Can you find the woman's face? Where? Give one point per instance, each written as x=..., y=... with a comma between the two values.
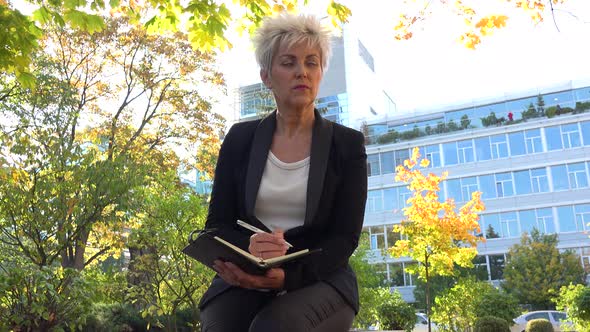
x=295, y=77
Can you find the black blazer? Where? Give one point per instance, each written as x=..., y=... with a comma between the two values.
x=336, y=195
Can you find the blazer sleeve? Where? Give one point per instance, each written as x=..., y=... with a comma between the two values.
x=223, y=205
x=342, y=235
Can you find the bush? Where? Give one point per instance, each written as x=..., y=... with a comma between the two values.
x=496, y=303
x=389, y=137
x=491, y=324
x=116, y=317
x=539, y=325
x=575, y=301
x=395, y=314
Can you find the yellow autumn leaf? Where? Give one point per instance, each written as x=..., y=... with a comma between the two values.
x=424, y=163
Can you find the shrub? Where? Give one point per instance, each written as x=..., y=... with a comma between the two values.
x=389, y=137
x=539, y=325
x=115, y=317
x=496, y=303
x=491, y=324
x=395, y=314
x=575, y=301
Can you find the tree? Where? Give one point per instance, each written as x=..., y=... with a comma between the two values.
x=478, y=25
x=174, y=280
x=395, y=313
x=536, y=268
x=575, y=301
x=368, y=283
x=436, y=236
x=114, y=102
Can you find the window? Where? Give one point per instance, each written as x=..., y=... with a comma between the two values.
x=553, y=137
x=377, y=237
x=509, y=224
x=585, y=132
x=539, y=180
x=468, y=185
x=390, y=201
x=517, y=146
x=432, y=153
x=522, y=182
x=465, y=149
x=577, y=175
x=373, y=164
x=528, y=221
x=366, y=56
x=483, y=150
x=454, y=189
x=487, y=186
x=504, y=186
x=570, y=135
x=396, y=274
x=582, y=212
x=450, y=153
x=533, y=140
x=559, y=177
x=499, y=146
x=403, y=195
x=545, y=220
x=408, y=277
x=538, y=315
x=374, y=201
x=492, y=226
x=401, y=156
x=387, y=165
x=566, y=220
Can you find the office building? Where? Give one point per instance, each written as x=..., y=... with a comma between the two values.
x=528, y=154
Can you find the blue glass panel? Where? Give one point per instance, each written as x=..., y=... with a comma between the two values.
x=533, y=141
x=373, y=164
x=390, y=201
x=577, y=175
x=582, y=94
x=403, y=195
x=570, y=135
x=492, y=226
x=563, y=99
x=432, y=153
x=465, y=151
x=566, y=219
x=468, y=186
x=582, y=216
x=387, y=162
x=482, y=148
x=487, y=186
x=504, y=186
x=528, y=221
x=522, y=183
x=454, y=189
x=539, y=180
x=545, y=217
x=509, y=224
x=559, y=177
x=586, y=132
x=519, y=105
x=450, y=153
x=374, y=201
x=553, y=137
x=499, y=146
x=517, y=146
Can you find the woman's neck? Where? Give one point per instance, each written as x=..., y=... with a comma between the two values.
x=294, y=123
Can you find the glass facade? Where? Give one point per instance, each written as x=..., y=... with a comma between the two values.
x=532, y=176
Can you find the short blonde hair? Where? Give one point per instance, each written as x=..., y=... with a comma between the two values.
x=288, y=30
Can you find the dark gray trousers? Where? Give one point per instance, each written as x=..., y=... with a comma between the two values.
x=316, y=308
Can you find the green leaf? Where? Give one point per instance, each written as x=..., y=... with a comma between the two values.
x=42, y=15
x=26, y=79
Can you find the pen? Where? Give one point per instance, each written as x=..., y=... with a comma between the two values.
x=257, y=230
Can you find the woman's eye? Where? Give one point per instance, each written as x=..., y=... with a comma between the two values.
x=287, y=63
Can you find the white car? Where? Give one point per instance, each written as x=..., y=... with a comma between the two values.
x=557, y=318
x=422, y=323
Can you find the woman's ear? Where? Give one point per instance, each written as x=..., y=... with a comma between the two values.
x=265, y=78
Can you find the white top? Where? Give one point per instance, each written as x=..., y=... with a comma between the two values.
x=281, y=199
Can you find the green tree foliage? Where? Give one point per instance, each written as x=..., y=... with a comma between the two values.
x=163, y=280
x=395, y=313
x=459, y=307
x=575, y=301
x=536, y=268
x=78, y=145
x=205, y=22
x=34, y=298
x=369, y=283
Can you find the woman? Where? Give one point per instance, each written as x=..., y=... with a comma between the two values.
x=299, y=177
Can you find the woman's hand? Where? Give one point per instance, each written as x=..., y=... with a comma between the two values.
x=233, y=275
x=268, y=245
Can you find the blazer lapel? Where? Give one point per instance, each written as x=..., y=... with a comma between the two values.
x=321, y=141
x=257, y=161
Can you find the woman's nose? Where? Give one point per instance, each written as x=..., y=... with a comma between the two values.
x=300, y=71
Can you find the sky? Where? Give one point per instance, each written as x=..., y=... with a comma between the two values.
x=433, y=70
